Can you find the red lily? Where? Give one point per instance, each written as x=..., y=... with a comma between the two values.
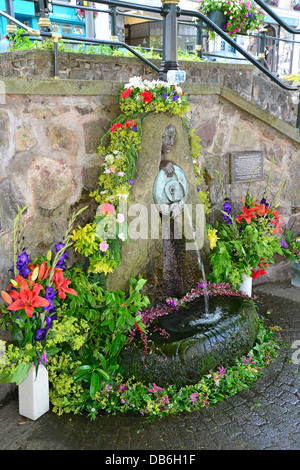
x=247, y=215
x=27, y=299
x=262, y=209
x=6, y=297
x=61, y=284
x=19, y=279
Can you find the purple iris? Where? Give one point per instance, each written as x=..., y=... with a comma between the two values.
x=22, y=262
x=227, y=208
x=263, y=201
x=41, y=334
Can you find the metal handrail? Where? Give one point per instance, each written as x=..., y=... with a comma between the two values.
x=32, y=32
x=159, y=10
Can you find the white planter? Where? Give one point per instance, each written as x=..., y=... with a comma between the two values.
x=246, y=286
x=296, y=274
x=34, y=393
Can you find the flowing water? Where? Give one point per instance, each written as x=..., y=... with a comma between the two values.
x=201, y=267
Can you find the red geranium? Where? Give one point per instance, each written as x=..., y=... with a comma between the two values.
x=116, y=126
x=147, y=96
x=126, y=93
x=130, y=123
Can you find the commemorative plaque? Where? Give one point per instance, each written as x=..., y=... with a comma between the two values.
x=246, y=165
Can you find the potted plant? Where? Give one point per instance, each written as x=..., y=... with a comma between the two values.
x=291, y=249
x=28, y=314
x=235, y=16
x=243, y=245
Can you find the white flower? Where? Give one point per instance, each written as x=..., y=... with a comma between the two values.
x=121, y=236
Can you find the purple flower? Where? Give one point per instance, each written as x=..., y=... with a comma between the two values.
x=50, y=294
x=263, y=201
x=172, y=302
x=227, y=208
x=131, y=182
x=41, y=334
x=134, y=128
x=44, y=358
x=23, y=259
x=62, y=259
x=164, y=95
x=175, y=97
x=284, y=244
x=22, y=262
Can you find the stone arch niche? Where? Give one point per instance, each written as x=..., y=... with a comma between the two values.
x=162, y=248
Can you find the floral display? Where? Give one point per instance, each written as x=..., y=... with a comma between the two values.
x=101, y=240
x=145, y=96
x=30, y=305
x=245, y=243
x=243, y=15
x=291, y=245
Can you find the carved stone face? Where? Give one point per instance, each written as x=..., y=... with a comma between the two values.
x=168, y=139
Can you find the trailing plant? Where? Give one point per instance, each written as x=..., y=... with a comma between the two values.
x=151, y=400
x=243, y=15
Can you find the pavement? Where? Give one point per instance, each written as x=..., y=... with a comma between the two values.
x=264, y=417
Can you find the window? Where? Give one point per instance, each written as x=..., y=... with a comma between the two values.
x=66, y=28
x=78, y=30
x=55, y=27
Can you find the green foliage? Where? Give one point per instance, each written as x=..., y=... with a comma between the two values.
x=152, y=401
x=99, y=322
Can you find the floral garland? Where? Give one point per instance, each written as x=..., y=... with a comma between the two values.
x=137, y=99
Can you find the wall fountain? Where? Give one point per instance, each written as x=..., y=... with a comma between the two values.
x=172, y=254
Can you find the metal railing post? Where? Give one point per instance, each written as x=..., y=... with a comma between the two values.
x=11, y=28
x=199, y=38
x=169, y=61
x=44, y=21
x=113, y=28
x=262, y=45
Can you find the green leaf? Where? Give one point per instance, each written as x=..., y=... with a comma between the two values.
x=21, y=373
x=95, y=384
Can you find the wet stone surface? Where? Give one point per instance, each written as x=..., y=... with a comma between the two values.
x=264, y=417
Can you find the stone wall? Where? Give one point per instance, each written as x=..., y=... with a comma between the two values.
x=50, y=130
x=245, y=79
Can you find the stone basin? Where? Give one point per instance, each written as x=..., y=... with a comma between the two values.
x=197, y=341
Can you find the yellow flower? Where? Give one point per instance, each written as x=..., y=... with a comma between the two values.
x=212, y=235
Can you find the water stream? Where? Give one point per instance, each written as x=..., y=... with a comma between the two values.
x=200, y=263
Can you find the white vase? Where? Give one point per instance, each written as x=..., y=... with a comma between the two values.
x=34, y=393
x=246, y=286
x=296, y=274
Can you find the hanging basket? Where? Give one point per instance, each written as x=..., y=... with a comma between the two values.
x=218, y=17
